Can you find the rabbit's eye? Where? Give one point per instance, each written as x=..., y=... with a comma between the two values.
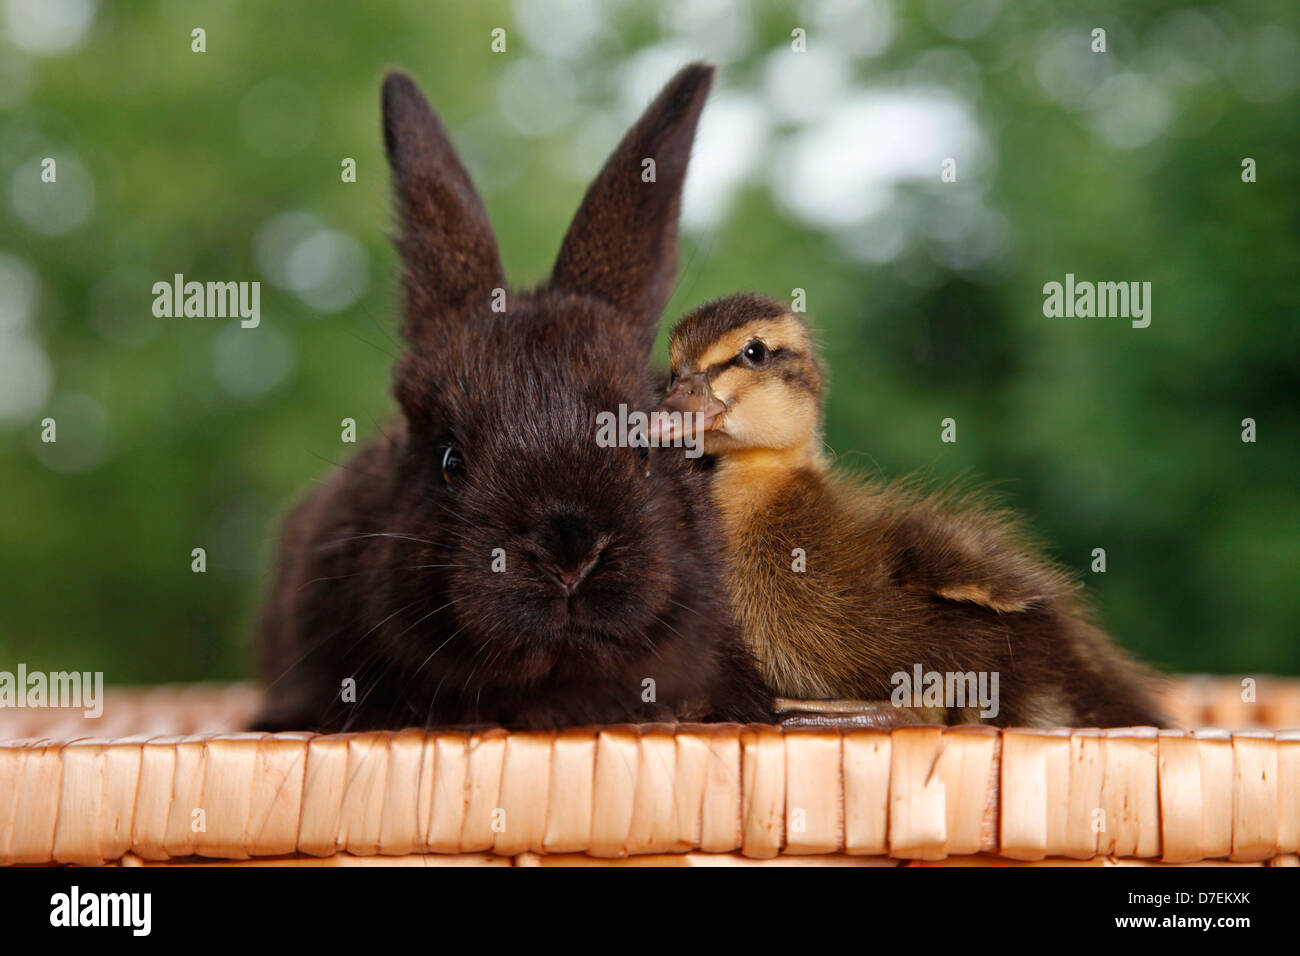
x=672, y=381
x=453, y=465
x=755, y=353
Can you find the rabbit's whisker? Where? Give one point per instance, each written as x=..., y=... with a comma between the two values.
x=421, y=620
x=433, y=653
x=317, y=645
x=353, y=574
x=376, y=534
x=400, y=610
x=685, y=607
x=354, y=470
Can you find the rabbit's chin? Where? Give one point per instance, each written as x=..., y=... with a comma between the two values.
x=567, y=657
x=573, y=640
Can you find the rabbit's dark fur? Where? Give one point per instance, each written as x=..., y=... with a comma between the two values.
x=386, y=573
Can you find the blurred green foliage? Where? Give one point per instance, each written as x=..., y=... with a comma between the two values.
x=1103, y=435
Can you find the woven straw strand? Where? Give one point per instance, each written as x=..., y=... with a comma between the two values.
x=922, y=794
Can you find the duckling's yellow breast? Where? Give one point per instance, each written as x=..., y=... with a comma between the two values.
x=793, y=583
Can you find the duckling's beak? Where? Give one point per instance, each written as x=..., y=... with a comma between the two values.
x=689, y=406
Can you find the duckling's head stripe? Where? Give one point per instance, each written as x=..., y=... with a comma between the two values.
x=708, y=325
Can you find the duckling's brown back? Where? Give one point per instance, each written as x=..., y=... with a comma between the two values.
x=863, y=591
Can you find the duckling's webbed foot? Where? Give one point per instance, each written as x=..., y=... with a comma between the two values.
x=859, y=714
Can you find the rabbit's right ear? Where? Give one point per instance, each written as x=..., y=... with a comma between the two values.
x=622, y=244
x=447, y=247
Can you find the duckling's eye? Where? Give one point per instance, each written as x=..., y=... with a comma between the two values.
x=453, y=465
x=755, y=353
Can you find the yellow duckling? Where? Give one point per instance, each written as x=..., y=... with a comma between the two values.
x=853, y=589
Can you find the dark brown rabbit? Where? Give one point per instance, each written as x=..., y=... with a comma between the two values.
x=487, y=561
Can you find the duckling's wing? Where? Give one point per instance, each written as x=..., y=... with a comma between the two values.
x=976, y=557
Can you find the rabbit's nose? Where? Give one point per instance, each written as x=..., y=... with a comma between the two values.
x=569, y=579
x=567, y=576
x=572, y=554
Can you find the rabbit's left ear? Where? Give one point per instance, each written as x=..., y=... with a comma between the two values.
x=622, y=244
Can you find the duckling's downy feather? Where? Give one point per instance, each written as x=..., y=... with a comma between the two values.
x=841, y=584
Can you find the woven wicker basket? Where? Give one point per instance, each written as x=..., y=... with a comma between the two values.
x=165, y=780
